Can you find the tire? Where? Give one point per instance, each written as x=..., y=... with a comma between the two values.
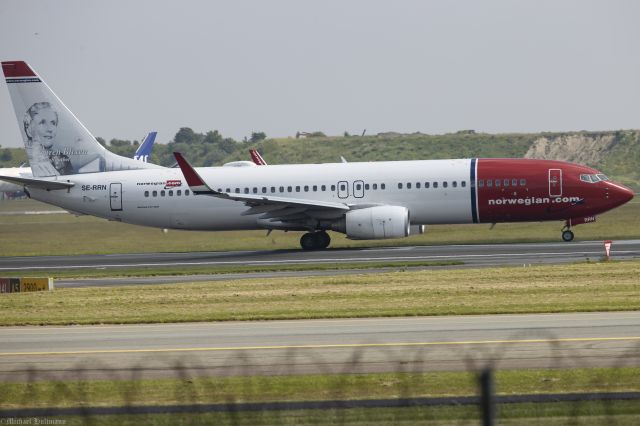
x=308, y=241
x=323, y=239
x=567, y=236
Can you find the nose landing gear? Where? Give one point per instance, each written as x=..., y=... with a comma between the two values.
x=315, y=240
x=567, y=234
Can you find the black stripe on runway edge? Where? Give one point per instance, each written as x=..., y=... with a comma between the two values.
x=322, y=405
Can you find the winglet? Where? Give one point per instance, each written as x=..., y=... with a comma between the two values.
x=195, y=182
x=257, y=158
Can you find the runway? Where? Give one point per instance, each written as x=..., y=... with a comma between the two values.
x=481, y=254
x=470, y=255
x=320, y=346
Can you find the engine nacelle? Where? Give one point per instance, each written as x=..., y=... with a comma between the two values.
x=378, y=222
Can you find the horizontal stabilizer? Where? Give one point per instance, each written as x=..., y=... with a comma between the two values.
x=38, y=183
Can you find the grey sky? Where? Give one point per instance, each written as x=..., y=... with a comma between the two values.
x=127, y=67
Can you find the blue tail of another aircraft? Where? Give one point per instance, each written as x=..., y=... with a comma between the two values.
x=144, y=150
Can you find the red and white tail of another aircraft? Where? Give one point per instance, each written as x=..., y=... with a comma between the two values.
x=369, y=200
x=257, y=158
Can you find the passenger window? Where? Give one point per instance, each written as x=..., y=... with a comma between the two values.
x=155, y=193
x=186, y=192
x=246, y=190
x=264, y=189
x=489, y=183
x=146, y=193
x=306, y=188
x=366, y=186
x=323, y=188
x=427, y=185
x=358, y=187
x=170, y=193
x=162, y=193
x=282, y=189
x=179, y=193
x=481, y=183
x=523, y=182
x=333, y=187
x=399, y=185
x=255, y=190
x=289, y=189
x=506, y=182
x=228, y=190
x=514, y=182
x=463, y=183
x=454, y=184
x=237, y=190
x=297, y=188
x=444, y=184
x=383, y=186
x=435, y=184
x=417, y=185
x=315, y=188
x=343, y=187
x=497, y=183
x=375, y=186
x=409, y=185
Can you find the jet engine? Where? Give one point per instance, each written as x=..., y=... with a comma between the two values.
x=373, y=223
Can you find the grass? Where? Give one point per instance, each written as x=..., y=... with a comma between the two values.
x=620, y=413
x=152, y=271
x=237, y=389
x=330, y=387
x=62, y=234
x=607, y=286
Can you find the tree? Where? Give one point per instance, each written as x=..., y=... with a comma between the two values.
x=6, y=155
x=212, y=137
x=187, y=135
x=257, y=137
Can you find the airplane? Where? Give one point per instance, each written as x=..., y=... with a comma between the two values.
x=364, y=200
x=142, y=154
x=257, y=158
x=259, y=161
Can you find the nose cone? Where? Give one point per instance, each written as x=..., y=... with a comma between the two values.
x=620, y=194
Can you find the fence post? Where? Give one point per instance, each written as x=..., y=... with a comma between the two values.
x=487, y=403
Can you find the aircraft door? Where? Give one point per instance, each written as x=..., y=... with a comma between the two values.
x=555, y=183
x=358, y=189
x=115, y=196
x=343, y=189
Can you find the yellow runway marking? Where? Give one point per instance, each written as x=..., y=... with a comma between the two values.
x=326, y=346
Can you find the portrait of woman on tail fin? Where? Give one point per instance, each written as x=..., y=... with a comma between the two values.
x=41, y=127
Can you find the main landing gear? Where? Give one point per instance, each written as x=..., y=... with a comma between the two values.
x=315, y=240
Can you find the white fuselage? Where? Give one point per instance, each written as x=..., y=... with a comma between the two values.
x=152, y=197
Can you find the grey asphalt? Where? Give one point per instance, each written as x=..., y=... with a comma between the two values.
x=471, y=255
x=605, y=339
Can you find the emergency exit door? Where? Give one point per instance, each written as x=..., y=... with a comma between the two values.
x=115, y=195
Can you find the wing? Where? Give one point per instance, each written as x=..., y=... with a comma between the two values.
x=275, y=212
x=38, y=183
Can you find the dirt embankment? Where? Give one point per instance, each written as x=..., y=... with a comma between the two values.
x=581, y=148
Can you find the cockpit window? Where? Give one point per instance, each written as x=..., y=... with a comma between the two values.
x=594, y=178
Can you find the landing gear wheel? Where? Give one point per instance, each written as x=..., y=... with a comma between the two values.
x=309, y=241
x=324, y=239
x=567, y=236
x=315, y=240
